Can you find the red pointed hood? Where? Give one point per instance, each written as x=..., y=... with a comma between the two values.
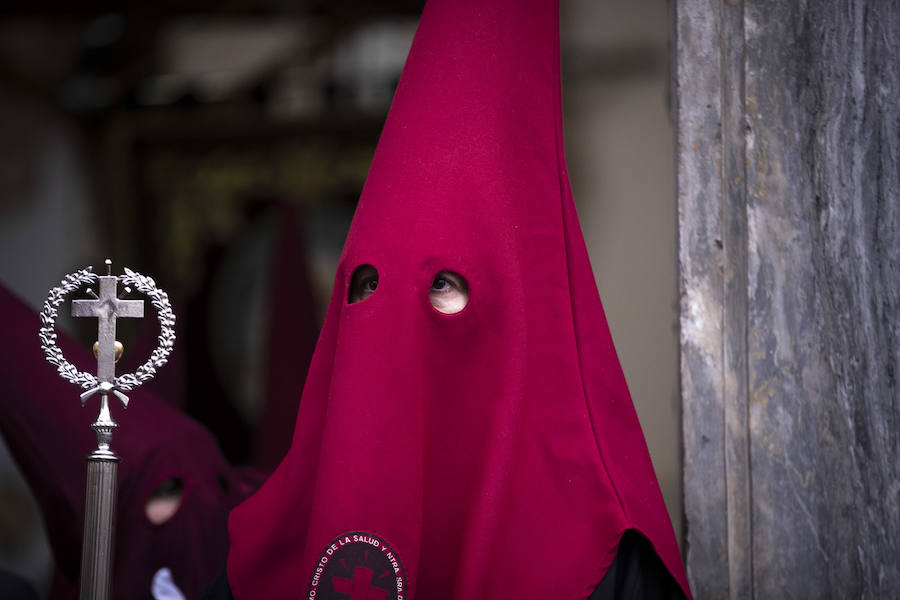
x=492, y=453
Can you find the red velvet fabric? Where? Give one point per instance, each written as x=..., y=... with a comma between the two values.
x=496, y=450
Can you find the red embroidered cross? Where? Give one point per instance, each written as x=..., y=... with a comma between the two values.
x=359, y=586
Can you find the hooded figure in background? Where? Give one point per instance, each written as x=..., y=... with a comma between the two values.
x=175, y=488
x=465, y=430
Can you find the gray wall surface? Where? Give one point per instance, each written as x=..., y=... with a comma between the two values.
x=619, y=149
x=789, y=257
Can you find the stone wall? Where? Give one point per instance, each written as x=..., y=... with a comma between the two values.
x=789, y=258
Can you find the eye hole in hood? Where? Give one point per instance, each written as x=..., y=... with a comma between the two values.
x=449, y=292
x=363, y=283
x=165, y=500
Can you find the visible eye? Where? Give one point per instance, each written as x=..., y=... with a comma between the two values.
x=363, y=283
x=449, y=292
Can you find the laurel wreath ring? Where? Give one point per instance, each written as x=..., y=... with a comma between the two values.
x=87, y=381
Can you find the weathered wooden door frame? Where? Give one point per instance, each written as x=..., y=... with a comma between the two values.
x=788, y=136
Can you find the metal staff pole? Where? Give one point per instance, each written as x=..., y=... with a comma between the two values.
x=99, y=511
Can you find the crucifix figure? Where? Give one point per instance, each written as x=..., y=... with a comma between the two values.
x=106, y=308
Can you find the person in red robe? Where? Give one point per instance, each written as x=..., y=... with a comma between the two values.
x=465, y=430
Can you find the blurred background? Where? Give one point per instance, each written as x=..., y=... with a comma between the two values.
x=221, y=146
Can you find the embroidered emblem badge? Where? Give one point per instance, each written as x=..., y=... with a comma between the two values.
x=358, y=566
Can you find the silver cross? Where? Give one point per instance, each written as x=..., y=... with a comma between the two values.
x=107, y=308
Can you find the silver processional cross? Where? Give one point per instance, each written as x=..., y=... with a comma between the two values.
x=102, y=471
x=106, y=308
x=102, y=463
